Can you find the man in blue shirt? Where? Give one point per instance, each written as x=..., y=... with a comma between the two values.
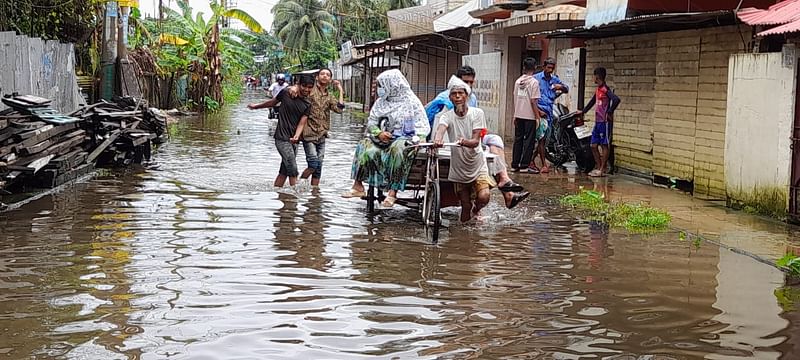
x=551, y=88
x=442, y=101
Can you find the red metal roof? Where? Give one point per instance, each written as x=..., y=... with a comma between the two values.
x=793, y=26
x=784, y=12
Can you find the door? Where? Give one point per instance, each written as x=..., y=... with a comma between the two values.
x=794, y=190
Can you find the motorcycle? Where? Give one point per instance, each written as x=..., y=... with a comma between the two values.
x=569, y=140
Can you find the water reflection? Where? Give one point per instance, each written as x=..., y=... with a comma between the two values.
x=198, y=257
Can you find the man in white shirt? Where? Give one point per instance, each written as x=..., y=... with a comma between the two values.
x=276, y=89
x=468, y=170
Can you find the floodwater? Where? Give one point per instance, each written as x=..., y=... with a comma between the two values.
x=198, y=257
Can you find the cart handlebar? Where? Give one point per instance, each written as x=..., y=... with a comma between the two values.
x=428, y=145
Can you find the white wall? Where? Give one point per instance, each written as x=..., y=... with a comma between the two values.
x=760, y=116
x=487, y=86
x=568, y=69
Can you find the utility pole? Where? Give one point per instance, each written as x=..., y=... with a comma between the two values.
x=108, y=58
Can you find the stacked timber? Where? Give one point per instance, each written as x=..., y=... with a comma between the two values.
x=42, y=148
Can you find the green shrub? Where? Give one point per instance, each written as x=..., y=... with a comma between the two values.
x=633, y=217
x=790, y=262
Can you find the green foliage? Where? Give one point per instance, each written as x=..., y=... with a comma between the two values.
x=184, y=44
x=318, y=54
x=73, y=22
x=402, y=4
x=643, y=218
x=586, y=199
x=633, y=217
x=791, y=263
x=301, y=23
x=211, y=104
x=231, y=90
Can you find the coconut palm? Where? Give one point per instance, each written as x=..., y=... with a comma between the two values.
x=299, y=23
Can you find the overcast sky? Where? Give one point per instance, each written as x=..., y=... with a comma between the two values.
x=259, y=9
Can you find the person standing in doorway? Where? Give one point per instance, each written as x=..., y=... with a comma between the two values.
x=551, y=88
x=319, y=123
x=606, y=102
x=291, y=120
x=526, y=117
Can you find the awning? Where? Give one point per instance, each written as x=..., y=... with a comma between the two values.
x=458, y=18
x=785, y=13
x=654, y=23
x=547, y=16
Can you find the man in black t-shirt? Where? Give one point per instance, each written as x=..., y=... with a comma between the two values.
x=291, y=120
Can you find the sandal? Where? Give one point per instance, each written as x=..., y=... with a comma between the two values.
x=545, y=170
x=353, y=193
x=511, y=186
x=531, y=170
x=388, y=202
x=518, y=198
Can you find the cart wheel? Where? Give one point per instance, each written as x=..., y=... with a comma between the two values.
x=431, y=211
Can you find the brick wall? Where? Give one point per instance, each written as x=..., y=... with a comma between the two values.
x=673, y=87
x=716, y=46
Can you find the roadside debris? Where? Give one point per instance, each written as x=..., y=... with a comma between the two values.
x=42, y=148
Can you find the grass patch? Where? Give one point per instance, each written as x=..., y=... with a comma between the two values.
x=633, y=217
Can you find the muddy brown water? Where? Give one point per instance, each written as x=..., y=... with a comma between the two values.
x=198, y=257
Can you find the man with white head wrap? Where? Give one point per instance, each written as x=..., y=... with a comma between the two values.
x=513, y=193
x=468, y=170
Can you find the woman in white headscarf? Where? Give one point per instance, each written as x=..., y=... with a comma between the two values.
x=397, y=119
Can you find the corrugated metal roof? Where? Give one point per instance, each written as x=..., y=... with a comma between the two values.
x=793, y=26
x=458, y=18
x=552, y=14
x=783, y=12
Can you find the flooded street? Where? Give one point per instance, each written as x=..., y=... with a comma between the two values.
x=198, y=257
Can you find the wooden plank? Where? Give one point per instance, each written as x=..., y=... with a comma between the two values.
x=34, y=166
x=105, y=144
x=30, y=150
x=33, y=100
x=33, y=133
x=48, y=133
x=8, y=61
x=67, y=145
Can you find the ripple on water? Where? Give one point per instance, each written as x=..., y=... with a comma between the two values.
x=199, y=256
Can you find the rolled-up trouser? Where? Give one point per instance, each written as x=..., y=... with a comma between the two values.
x=315, y=153
x=288, y=152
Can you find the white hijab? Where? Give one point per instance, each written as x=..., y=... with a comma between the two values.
x=398, y=101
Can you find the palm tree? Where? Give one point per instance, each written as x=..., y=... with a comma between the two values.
x=299, y=23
